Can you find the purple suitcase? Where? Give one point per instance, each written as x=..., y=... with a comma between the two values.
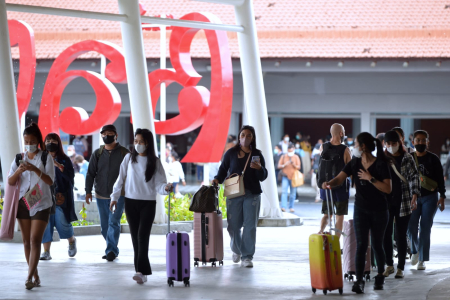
x=349, y=253
x=177, y=256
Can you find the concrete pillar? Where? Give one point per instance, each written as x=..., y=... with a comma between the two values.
x=9, y=114
x=407, y=124
x=276, y=129
x=255, y=103
x=366, y=122
x=137, y=77
x=234, y=124
x=356, y=128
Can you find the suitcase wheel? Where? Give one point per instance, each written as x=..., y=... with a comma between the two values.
x=367, y=277
x=203, y=264
x=170, y=282
x=325, y=292
x=341, y=291
x=314, y=290
x=346, y=276
x=196, y=264
x=186, y=283
x=213, y=264
x=350, y=277
x=221, y=263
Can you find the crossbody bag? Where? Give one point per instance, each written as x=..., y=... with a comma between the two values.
x=234, y=184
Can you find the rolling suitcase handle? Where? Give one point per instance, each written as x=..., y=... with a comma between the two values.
x=334, y=212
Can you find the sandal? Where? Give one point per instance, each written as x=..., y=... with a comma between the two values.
x=37, y=282
x=29, y=284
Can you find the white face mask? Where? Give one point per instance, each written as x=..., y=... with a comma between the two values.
x=286, y=139
x=291, y=153
x=140, y=148
x=70, y=153
x=297, y=146
x=392, y=149
x=357, y=152
x=30, y=148
x=170, y=159
x=80, y=164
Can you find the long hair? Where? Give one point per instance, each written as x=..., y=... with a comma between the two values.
x=147, y=135
x=60, y=152
x=365, y=138
x=33, y=129
x=253, y=143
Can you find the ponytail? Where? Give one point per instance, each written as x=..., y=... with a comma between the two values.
x=372, y=144
x=380, y=153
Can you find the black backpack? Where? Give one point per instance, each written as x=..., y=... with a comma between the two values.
x=331, y=163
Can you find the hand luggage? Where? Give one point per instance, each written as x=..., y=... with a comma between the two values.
x=208, y=238
x=206, y=199
x=177, y=256
x=349, y=266
x=325, y=259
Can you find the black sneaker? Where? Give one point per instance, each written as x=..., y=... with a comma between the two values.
x=358, y=287
x=379, y=282
x=110, y=256
x=104, y=257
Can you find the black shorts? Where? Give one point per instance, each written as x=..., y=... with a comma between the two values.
x=341, y=208
x=24, y=213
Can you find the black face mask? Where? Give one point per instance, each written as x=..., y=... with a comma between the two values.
x=420, y=147
x=109, y=139
x=51, y=147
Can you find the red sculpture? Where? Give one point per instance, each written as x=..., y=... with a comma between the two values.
x=22, y=35
x=197, y=105
x=75, y=120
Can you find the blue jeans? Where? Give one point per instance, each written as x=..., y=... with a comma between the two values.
x=243, y=212
x=58, y=220
x=285, y=185
x=110, y=223
x=420, y=242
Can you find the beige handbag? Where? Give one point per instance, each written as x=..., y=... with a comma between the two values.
x=234, y=184
x=297, y=179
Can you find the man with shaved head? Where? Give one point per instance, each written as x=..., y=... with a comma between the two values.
x=340, y=155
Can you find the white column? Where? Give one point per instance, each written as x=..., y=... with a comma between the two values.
x=137, y=77
x=255, y=103
x=162, y=100
x=9, y=115
x=276, y=129
x=407, y=124
x=366, y=122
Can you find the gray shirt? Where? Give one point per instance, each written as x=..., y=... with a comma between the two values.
x=103, y=172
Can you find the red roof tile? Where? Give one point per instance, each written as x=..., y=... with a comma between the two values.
x=286, y=28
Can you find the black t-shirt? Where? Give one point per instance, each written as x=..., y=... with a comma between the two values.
x=430, y=166
x=396, y=195
x=367, y=195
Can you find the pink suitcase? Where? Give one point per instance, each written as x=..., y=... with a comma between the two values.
x=349, y=253
x=208, y=238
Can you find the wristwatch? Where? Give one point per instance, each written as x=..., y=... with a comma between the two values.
x=373, y=180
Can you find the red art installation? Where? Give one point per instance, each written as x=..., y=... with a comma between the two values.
x=198, y=106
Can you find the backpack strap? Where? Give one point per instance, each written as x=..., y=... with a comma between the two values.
x=123, y=151
x=325, y=147
x=99, y=152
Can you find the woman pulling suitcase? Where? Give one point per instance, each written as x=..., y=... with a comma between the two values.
x=373, y=181
x=144, y=176
x=405, y=190
x=243, y=211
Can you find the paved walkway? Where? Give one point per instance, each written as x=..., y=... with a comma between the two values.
x=281, y=272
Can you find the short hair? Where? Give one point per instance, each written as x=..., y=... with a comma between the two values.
x=399, y=130
x=291, y=146
x=79, y=159
x=417, y=132
x=380, y=136
x=278, y=146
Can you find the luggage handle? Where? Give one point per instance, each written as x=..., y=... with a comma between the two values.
x=334, y=212
x=168, y=221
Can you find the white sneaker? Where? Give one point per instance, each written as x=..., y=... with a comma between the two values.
x=414, y=259
x=421, y=265
x=140, y=278
x=399, y=274
x=236, y=258
x=247, y=263
x=389, y=270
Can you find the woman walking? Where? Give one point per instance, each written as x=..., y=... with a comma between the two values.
x=143, y=176
x=65, y=208
x=36, y=172
x=243, y=211
x=405, y=190
x=373, y=181
x=288, y=164
x=431, y=172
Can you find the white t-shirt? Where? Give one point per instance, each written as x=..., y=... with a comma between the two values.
x=28, y=179
x=133, y=176
x=175, y=172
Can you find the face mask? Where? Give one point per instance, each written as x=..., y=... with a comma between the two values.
x=275, y=151
x=245, y=142
x=140, y=148
x=170, y=159
x=350, y=142
x=80, y=164
x=357, y=152
x=51, y=147
x=297, y=137
x=392, y=150
x=109, y=139
x=30, y=148
x=286, y=139
x=343, y=138
x=297, y=146
x=70, y=153
x=421, y=148
x=291, y=154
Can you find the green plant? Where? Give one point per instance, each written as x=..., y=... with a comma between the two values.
x=179, y=207
x=82, y=221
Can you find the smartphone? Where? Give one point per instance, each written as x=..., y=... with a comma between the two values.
x=21, y=161
x=256, y=159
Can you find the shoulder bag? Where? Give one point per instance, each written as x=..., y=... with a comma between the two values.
x=425, y=182
x=234, y=184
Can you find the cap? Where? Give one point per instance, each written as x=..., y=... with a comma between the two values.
x=108, y=127
x=391, y=136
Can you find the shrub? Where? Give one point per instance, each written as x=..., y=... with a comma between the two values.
x=82, y=221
